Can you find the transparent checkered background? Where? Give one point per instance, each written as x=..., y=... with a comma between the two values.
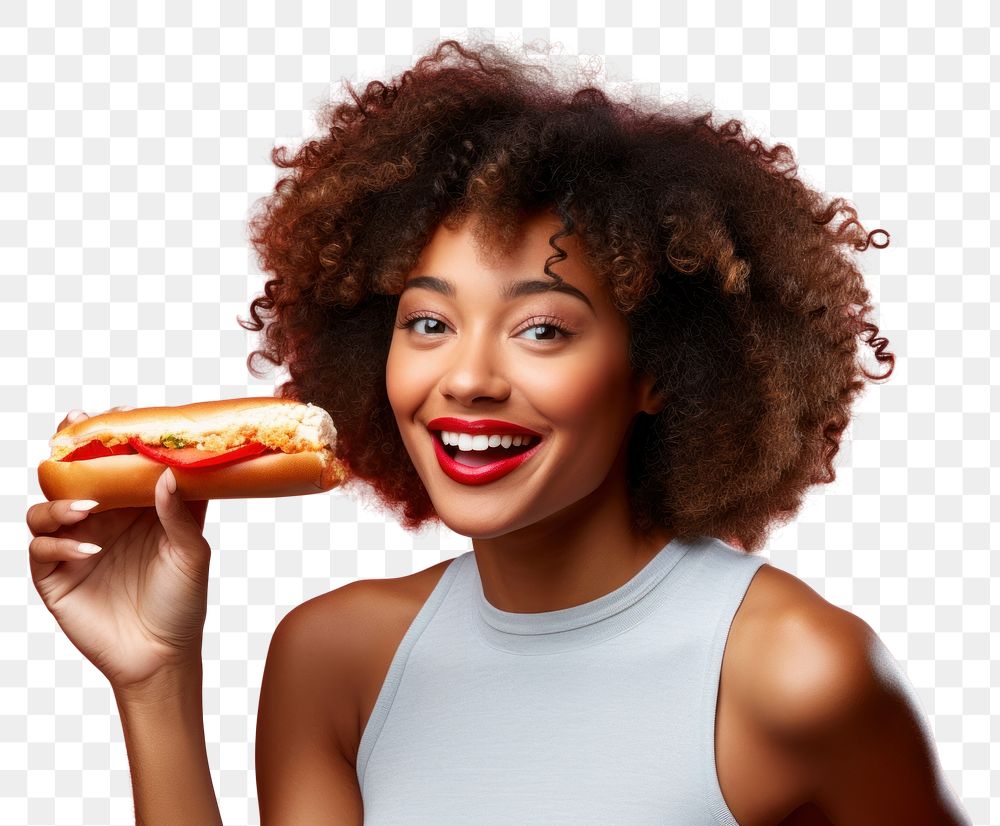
x=133, y=144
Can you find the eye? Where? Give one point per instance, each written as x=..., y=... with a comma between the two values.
x=548, y=323
x=411, y=321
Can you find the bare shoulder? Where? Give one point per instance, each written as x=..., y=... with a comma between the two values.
x=320, y=679
x=353, y=633
x=364, y=600
x=819, y=679
x=331, y=621
x=306, y=697
x=333, y=618
x=801, y=657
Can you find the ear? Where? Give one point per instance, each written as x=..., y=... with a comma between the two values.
x=650, y=401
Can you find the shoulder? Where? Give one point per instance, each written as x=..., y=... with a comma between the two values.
x=342, y=641
x=330, y=623
x=319, y=665
x=804, y=660
x=312, y=661
x=820, y=681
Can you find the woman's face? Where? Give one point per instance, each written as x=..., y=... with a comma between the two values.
x=470, y=352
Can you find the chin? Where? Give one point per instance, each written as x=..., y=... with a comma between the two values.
x=477, y=523
x=474, y=526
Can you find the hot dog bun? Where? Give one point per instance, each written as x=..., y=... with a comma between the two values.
x=301, y=438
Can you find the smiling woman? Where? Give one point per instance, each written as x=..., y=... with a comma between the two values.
x=614, y=344
x=616, y=425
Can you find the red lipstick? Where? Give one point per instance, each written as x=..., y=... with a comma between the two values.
x=488, y=426
x=467, y=475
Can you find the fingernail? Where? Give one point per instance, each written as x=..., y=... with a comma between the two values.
x=88, y=548
x=83, y=505
x=171, y=482
x=74, y=413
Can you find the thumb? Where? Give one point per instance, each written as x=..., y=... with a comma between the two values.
x=182, y=529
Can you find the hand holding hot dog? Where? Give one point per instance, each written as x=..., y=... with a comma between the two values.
x=136, y=608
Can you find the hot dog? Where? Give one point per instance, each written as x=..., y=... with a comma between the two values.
x=227, y=449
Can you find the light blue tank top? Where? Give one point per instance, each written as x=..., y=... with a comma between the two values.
x=599, y=713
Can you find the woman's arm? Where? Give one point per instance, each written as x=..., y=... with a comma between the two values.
x=307, y=716
x=832, y=690
x=129, y=587
x=165, y=739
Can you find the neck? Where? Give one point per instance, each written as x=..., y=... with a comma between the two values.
x=574, y=556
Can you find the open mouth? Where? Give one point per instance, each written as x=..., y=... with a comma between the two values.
x=472, y=453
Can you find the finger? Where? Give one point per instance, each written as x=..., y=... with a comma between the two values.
x=44, y=549
x=198, y=508
x=46, y=517
x=179, y=523
x=46, y=552
x=72, y=417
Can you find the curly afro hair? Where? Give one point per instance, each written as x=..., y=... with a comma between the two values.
x=742, y=298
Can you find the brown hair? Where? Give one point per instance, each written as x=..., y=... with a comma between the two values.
x=743, y=300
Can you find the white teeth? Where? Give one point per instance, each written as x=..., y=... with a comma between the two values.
x=482, y=441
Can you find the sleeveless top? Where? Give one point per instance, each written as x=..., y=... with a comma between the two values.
x=599, y=713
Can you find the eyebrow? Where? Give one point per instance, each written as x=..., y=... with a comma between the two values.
x=511, y=291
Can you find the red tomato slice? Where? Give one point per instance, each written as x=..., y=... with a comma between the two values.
x=96, y=450
x=191, y=457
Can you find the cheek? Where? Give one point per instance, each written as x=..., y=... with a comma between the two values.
x=410, y=379
x=396, y=386
x=589, y=393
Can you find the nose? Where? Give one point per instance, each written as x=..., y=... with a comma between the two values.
x=475, y=371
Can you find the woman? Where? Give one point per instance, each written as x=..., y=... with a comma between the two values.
x=473, y=255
